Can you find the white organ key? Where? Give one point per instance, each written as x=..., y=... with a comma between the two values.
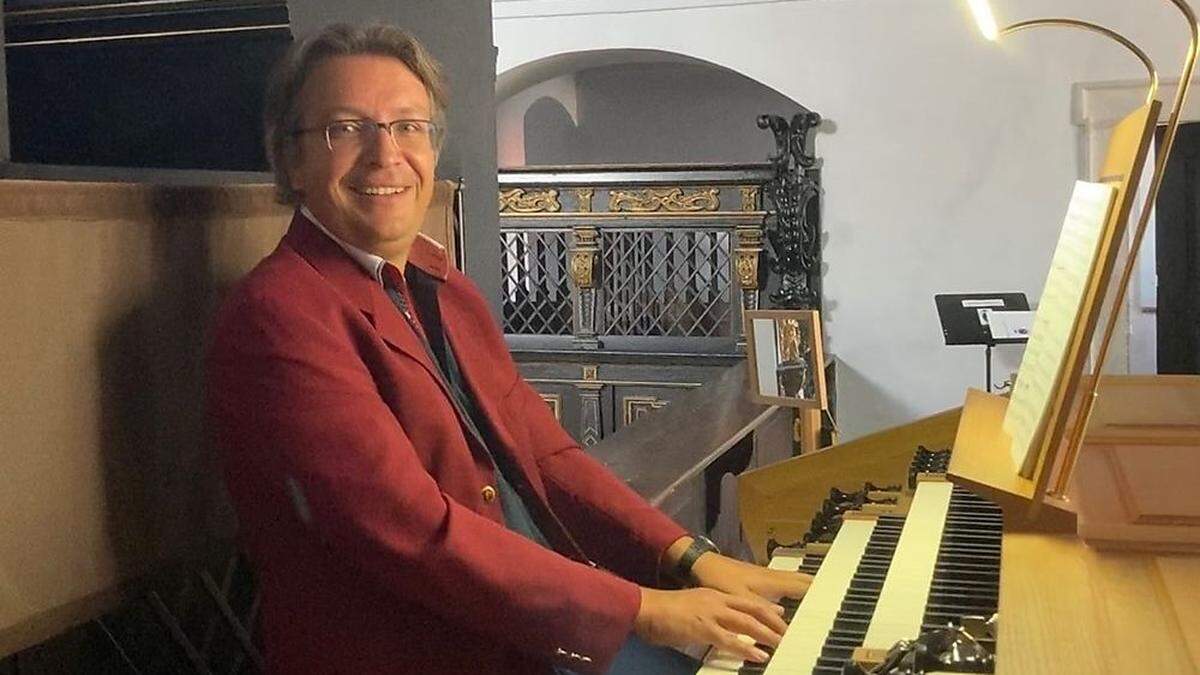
x=786, y=559
x=718, y=661
x=801, y=645
x=721, y=662
x=905, y=590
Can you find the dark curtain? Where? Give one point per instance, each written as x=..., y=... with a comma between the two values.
x=140, y=84
x=1178, y=244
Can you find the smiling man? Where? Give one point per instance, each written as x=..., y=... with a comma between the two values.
x=370, y=195
x=408, y=501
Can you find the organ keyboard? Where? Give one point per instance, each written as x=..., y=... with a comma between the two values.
x=814, y=618
x=1063, y=606
x=892, y=572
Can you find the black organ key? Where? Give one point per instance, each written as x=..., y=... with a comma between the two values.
x=854, y=616
x=966, y=575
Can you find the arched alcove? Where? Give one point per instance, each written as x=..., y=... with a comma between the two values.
x=550, y=132
x=632, y=106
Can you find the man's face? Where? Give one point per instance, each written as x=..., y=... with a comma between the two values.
x=372, y=194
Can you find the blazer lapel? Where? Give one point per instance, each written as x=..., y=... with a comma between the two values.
x=363, y=292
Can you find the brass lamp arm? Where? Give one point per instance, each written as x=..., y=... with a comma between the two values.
x=1093, y=28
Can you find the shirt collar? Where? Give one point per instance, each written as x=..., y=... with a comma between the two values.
x=427, y=254
x=370, y=262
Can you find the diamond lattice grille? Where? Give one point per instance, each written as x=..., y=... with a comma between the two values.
x=667, y=282
x=537, y=294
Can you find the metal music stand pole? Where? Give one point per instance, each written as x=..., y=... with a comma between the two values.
x=988, y=351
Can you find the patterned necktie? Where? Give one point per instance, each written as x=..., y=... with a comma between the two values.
x=393, y=283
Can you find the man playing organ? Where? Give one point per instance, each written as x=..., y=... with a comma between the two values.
x=409, y=502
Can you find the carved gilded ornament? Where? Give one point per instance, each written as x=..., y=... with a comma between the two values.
x=581, y=268
x=517, y=200
x=591, y=373
x=666, y=199
x=750, y=198
x=747, y=268
x=585, y=198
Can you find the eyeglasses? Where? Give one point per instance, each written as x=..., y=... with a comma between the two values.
x=352, y=134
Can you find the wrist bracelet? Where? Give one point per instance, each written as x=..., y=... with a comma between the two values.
x=683, y=567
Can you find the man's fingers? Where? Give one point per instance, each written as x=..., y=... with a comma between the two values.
x=767, y=613
x=740, y=645
x=752, y=604
x=713, y=617
x=797, y=585
x=783, y=585
x=746, y=624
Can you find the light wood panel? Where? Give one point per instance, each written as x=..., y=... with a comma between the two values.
x=981, y=462
x=1180, y=577
x=1135, y=479
x=779, y=501
x=1066, y=608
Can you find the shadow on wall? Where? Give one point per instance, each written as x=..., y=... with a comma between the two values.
x=550, y=133
x=634, y=107
x=164, y=493
x=114, y=488
x=873, y=409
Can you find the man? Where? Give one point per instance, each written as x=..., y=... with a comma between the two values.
x=408, y=500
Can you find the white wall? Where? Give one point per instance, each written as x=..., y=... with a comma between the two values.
x=641, y=113
x=948, y=160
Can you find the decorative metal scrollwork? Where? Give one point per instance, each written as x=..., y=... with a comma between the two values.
x=793, y=225
x=517, y=200
x=669, y=199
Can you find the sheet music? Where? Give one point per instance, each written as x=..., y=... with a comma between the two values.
x=1057, y=315
x=1009, y=325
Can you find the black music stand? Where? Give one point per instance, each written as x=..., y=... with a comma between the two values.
x=964, y=321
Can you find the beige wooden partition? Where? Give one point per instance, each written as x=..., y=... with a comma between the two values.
x=106, y=291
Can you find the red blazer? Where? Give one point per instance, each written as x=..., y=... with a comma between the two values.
x=364, y=507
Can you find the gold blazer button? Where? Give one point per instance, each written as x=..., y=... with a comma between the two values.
x=489, y=493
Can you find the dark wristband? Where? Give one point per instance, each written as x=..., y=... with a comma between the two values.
x=683, y=567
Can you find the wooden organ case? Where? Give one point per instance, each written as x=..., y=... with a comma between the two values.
x=1081, y=553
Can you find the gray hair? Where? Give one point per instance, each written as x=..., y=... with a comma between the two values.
x=339, y=39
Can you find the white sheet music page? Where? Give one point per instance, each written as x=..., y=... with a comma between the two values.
x=1056, y=318
x=1009, y=325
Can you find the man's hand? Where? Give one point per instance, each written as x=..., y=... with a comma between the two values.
x=746, y=580
x=710, y=617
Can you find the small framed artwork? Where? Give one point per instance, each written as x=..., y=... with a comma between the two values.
x=786, y=360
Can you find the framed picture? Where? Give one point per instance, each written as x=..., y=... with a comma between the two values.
x=786, y=360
